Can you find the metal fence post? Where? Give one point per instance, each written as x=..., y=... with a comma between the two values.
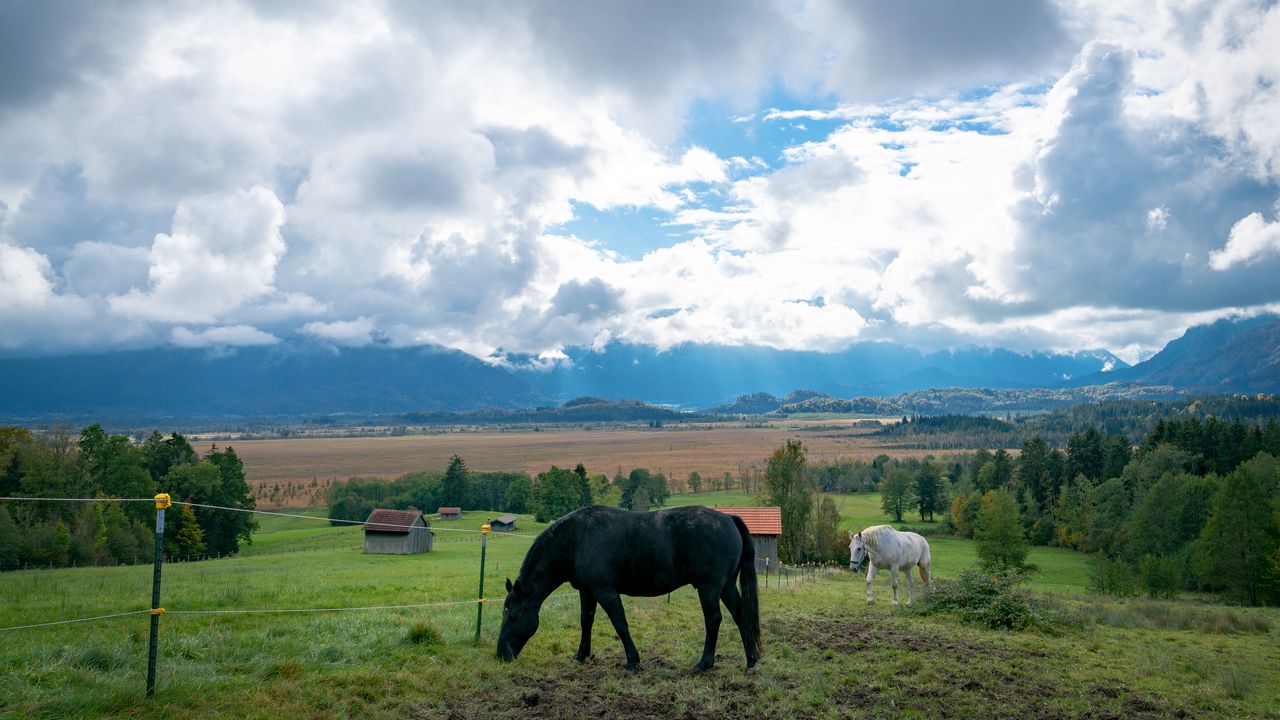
x=484, y=541
x=162, y=502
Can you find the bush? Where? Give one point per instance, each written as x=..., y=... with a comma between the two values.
x=1160, y=576
x=1109, y=576
x=992, y=599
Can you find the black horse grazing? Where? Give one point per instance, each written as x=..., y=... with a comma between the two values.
x=603, y=552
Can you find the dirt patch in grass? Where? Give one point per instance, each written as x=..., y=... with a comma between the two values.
x=825, y=667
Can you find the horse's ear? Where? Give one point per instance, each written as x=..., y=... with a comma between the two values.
x=508, y=584
x=859, y=535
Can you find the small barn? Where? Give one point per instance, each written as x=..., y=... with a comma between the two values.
x=449, y=513
x=396, y=532
x=503, y=523
x=765, y=525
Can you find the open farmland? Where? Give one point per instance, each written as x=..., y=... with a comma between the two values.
x=827, y=654
x=676, y=451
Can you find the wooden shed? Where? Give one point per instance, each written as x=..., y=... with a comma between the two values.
x=765, y=525
x=396, y=532
x=449, y=513
x=503, y=523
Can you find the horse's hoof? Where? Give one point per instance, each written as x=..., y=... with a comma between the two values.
x=582, y=659
x=632, y=669
x=703, y=667
x=751, y=669
x=871, y=602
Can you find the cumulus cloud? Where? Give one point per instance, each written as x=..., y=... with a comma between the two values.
x=1251, y=239
x=221, y=253
x=1029, y=174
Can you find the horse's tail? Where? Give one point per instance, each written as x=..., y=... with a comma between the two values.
x=750, y=627
x=925, y=565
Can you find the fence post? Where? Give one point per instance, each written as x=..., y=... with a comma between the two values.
x=484, y=541
x=162, y=502
x=766, y=571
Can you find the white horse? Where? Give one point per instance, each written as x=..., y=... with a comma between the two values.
x=888, y=548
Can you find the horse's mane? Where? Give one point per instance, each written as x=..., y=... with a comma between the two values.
x=871, y=536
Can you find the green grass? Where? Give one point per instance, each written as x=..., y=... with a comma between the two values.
x=827, y=654
x=1060, y=570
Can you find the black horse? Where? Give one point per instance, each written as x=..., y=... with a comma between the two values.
x=603, y=552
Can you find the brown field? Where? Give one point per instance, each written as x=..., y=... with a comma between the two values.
x=676, y=451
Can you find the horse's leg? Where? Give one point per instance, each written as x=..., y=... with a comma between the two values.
x=911, y=585
x=893, y=576
x=612, y=605
x=732, y=600
x=588, y=618
x=871, y=578
x=711, y=616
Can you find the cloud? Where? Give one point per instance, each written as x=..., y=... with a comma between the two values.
x=221, y=253
x=1031, y=174
x=348, y=333
x=1251, y=238
x=224, y=336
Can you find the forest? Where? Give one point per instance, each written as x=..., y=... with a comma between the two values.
x=97, y=465
x=1195, y=505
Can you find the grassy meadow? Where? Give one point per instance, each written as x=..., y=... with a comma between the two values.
x=827, y=654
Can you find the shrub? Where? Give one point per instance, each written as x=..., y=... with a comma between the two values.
x=993, y=599
x=1109, y=576
x=1160, y=576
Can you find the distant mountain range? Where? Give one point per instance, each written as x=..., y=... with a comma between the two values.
x=1228, y=355
x=696, y=376
x=293, y=380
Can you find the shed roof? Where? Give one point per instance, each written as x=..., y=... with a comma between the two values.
x=449, y=511
x=392, y=521
x=506, y=519
x=759, y=520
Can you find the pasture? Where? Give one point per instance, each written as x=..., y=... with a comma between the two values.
x=827, y=654
x=712, y=450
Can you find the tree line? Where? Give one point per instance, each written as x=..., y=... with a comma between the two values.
x=99, y=465
x=1194, y=505
x=547, y=495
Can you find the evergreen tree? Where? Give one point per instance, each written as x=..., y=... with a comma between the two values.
x=584, y=488
x=1003, y=473
x=1116, y=453
x=183, y=537
x=1033, y=470
x=1084, y=454
x=1071, y=514
x=453, y=486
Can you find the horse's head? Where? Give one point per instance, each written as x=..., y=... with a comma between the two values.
x=519, y=621
x=857, y=551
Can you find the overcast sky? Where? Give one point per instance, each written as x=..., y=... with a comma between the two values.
x=514, y=179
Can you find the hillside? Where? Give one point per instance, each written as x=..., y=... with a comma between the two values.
x=1235, y=355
